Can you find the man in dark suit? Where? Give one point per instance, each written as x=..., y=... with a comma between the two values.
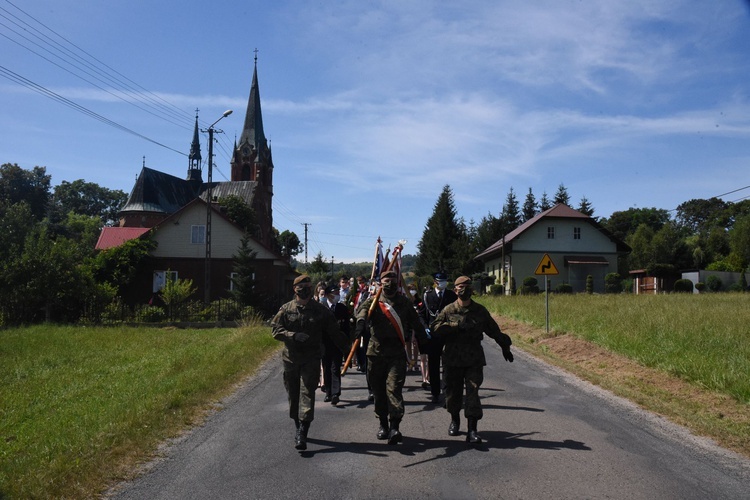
x=433, y=302
x=332, y=354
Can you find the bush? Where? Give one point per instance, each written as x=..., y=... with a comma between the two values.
x=683, y=286
x=700, y=286
x=589, y=284
x=735, y=287
x=714, y=283
x=564, y=288
x=530, y=286
x=613, y=283
x=150, y=314
x=496, y=289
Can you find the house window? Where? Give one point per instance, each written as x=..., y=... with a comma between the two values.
x=161, y=277
x=551, y=233
x=576, y=233
x=198, y=234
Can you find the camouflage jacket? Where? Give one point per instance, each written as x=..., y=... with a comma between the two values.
x=462, y=329
x=384, y=341
x=314, y=319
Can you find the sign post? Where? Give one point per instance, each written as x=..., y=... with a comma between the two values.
x=546, y=268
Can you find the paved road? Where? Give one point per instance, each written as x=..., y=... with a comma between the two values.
x=547, y=435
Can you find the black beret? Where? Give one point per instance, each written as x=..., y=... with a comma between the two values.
x=388, y=274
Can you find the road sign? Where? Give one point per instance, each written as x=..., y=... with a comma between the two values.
x=546, y=266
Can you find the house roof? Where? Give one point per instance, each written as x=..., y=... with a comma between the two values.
x=115, y=236
x=559, y=211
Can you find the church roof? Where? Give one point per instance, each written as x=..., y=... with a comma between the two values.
x=156, y=191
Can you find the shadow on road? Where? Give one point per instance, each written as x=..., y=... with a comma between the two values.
x=413, y=446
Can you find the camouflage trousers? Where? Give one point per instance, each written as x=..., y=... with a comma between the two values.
x=387, y=375
x=458, y=377
x=301, y=380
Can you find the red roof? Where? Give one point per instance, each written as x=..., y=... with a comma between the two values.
x=115, y=236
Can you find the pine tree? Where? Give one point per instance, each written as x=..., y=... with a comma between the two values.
x=511, y=216
x=243, y=289
x=544, y=203
x=441, y=234
x=562, y=196
x=529, y=206
x=585, y=207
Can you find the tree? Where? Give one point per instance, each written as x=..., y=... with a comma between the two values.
x=30, y=186
x=640, y=243
x=585, y=207
x=436, y=248
x=88, y=198
x=698, y=216
x=239, y=212
x=318, y=266
x=488, y=232
x=290, y=244
x=622, y=224
x=739, y=240
x=544, y=203
x=562, y=196
x=119, y=265
x=529, y=206
x=511, y=215
x=243, y=283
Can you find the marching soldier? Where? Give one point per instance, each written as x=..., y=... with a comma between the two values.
x=461, y=325
x=433, y=302
x=390, y=324
x=302, y=324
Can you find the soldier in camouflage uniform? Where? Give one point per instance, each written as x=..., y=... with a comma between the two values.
x=390, y=324
x=302, y=324
x=461, y=325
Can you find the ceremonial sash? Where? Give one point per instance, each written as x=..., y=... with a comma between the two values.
x=393, y=317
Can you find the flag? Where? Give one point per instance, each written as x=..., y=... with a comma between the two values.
x=378, y=261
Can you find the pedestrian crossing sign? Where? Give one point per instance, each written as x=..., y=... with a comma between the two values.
x=546, y=266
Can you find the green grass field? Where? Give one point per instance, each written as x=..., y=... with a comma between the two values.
x=80, y=406
x=704, y=339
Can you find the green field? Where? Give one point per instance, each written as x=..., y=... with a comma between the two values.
x=80, y=406
x=704, y=339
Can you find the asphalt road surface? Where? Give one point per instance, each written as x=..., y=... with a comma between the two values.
x=546, y=435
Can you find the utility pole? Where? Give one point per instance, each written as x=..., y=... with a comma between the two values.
x=331, y=266
x=305, y=224
x=210, y=130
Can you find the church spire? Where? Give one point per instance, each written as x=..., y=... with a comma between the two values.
x=194, y=158
x=252, y=132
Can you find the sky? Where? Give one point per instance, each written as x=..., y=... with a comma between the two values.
x=372, y=107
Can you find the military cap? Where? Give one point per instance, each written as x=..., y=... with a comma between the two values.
x=302, y=278
x=332, y=289
x=462, y=280
x=440, y=275
x=388, y=274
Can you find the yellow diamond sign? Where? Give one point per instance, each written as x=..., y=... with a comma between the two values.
x=546, y=266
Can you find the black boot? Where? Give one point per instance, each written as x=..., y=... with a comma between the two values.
x=383, y=429
x=394, y=436
x=454, y=426
x=472, y=436
x=301, y=439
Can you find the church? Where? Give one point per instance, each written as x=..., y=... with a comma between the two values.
x=195, y=239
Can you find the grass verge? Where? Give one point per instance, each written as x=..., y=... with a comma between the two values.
x=685, y=357
x=80, y=407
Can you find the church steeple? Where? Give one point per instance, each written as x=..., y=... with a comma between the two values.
x=194, y=158
x=252, y=161
x=252, y=150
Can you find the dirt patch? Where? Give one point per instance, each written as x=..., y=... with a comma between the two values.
x=704, y=412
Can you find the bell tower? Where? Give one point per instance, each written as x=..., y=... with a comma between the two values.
x=252, y=161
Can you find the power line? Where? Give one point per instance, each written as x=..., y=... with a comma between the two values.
x=15, y=77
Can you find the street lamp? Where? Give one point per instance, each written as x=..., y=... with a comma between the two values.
x=210, y=130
